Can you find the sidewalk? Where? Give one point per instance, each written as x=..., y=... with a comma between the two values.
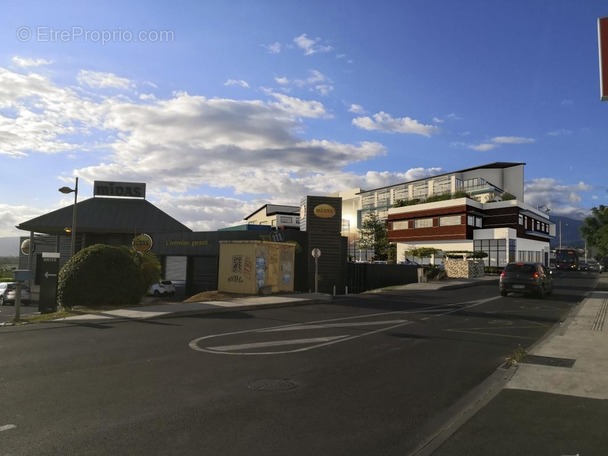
x=200, y=308
x=553, y=403
x=251, y=303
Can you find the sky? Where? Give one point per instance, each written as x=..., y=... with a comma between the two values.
x=221, y=107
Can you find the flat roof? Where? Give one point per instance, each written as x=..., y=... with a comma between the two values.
x=495, y=165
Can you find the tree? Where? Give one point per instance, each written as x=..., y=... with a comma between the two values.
x=373, y=235
x=422, y=252
x=595, y=229
x=100, y=275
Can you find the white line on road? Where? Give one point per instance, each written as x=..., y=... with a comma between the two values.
x=7, y=427
x=324, y=324
x=331, y=325
x=276, y=343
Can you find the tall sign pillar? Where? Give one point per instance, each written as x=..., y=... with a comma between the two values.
x=48, y=282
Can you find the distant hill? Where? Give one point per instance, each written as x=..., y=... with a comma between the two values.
x=9, y=246
x=570, y=230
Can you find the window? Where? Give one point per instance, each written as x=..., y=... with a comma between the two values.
x=420, y=191
x=423, y=223
x=450, y=220
x=401, y=225
x=478, y=222
x=470, y=220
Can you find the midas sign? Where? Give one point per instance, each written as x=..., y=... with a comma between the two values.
x=324, y=211
x=142, y=243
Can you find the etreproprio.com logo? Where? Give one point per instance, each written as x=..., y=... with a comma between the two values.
x=44, y=34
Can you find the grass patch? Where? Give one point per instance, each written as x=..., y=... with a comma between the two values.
x=517, y=357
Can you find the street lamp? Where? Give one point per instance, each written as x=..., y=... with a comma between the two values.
x=74, y=190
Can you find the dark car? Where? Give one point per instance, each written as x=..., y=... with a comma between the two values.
x=521, y=277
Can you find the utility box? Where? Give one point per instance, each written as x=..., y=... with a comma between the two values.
x=256, y=267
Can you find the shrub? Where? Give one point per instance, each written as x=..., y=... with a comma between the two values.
x=100, y=275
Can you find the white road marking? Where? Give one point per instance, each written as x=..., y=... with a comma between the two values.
x=331, y=325
x=235, y=349
x=7, y=427
x=275, y=343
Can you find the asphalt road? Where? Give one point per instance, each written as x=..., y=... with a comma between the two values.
x=358, y=376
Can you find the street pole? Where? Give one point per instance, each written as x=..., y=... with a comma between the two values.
x=73, y=245
x=560, y=234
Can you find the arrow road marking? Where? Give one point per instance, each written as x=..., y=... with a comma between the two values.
x=7, y=427
x=318, y=342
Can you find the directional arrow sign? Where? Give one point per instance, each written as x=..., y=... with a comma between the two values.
x=48, y=274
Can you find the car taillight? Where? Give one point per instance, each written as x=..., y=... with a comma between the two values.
x=536, y=275
x=502, y=274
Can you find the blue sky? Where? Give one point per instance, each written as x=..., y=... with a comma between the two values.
x=223, y=106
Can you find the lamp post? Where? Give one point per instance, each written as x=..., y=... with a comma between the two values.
x=74, y=190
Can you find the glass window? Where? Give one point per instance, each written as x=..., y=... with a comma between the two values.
x=423, y=223
x=401, y=225
x=449, y=221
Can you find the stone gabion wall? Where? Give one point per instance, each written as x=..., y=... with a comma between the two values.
x=464, y=268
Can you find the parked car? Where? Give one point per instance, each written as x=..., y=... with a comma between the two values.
x=593, y=265
x=164, y=287
x=583, y=266
x=8, y=293
x=522, y=277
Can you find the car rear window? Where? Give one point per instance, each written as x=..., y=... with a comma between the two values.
x=520, y=267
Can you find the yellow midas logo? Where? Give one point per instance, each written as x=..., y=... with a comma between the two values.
x=324, y=211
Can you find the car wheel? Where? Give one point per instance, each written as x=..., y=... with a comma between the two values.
x=1, y=300
x=156, y=293
x=504, y=293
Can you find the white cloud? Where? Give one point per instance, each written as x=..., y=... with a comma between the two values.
x=310, y=46
x=236, y=82
x=274, y=48
x=356, y=109
x=29, y=62
x=315, y=82
x=561, y=198
x=385, y=122
x=499, y=140
x=99, y=80
x=512, y=140
x=561, y=132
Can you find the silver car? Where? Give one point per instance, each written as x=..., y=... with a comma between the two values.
x=8, y=293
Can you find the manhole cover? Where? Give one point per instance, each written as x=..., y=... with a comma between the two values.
x=271, y=384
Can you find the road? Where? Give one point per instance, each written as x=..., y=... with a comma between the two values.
x=358, y=376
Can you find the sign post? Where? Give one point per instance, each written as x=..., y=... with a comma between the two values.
x=48, y=283
x=316, y=253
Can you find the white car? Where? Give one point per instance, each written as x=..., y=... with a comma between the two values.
x=164, y=287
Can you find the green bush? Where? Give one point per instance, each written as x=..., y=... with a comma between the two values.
x=100, y=275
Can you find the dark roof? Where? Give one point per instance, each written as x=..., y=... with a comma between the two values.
x=495, y=165
x=106, y=215
x=272, y=209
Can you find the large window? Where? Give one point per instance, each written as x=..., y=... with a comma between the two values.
x=450, y=220
x=496, y=249
x=401, y=225
x=423, y=223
